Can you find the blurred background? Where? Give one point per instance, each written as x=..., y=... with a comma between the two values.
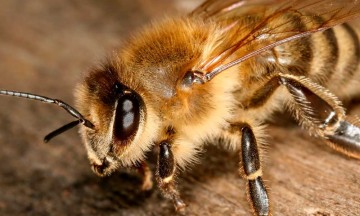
x=47, y=46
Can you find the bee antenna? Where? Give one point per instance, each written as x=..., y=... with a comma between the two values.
x=71, y=110
x=61, y=130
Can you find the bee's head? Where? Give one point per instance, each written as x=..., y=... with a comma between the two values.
x=123, y=126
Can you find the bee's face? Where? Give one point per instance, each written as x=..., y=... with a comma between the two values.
x=138, y=93
x=118, y=112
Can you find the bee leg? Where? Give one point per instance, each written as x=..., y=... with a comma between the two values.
x=250, y=160
x=165, y=176
x=316, y=109
x=146, y=173
x=321, y=112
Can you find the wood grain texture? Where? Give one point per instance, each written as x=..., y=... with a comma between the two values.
x=45, y=47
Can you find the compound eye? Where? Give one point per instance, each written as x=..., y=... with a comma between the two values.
x=127, y=117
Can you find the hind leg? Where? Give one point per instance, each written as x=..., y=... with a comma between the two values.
x=317, y=110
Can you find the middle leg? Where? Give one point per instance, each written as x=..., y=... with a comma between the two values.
x=251, y=170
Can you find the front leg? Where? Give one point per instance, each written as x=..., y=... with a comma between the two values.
x=166, y=173
x=144, y=170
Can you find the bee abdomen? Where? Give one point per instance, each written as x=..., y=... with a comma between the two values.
x=315, y=56
x=347, y=67
x=330, y=58
x=336, y=58
x=325, y=49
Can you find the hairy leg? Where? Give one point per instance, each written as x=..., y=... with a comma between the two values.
x=166, y=174
x=146, y=173
x=251, y=169
x=318, y=111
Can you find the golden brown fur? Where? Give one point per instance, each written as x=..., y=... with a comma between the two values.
x=156, y=62
x=154, y=70
x=153, y=63
x=220, y=73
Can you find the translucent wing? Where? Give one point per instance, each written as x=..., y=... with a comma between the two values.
x=214, y=7
x=255, y=26
x=217, y=7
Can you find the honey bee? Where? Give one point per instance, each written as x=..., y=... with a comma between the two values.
x=220, y=72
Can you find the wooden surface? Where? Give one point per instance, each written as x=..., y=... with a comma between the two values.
x=45, y=47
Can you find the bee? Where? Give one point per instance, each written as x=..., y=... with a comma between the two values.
x=220, y=72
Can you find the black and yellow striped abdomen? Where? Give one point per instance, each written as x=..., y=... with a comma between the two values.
x=343, y=81
x=330, y=58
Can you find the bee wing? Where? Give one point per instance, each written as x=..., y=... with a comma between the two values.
x=213, y=8
x=255, y=26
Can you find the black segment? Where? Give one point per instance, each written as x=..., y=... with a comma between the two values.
x=61, y=130
x=332, y=60
x=259, y=197
x=355, y=57
x=249, y=151
x=127, y=116
x=331, y=57
x=263, y=94
x=72, y=111
x=347, y=137
x=166, y=168
x=302, y=48
x=251, y=163
x=320, y=110
x=166, y=160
